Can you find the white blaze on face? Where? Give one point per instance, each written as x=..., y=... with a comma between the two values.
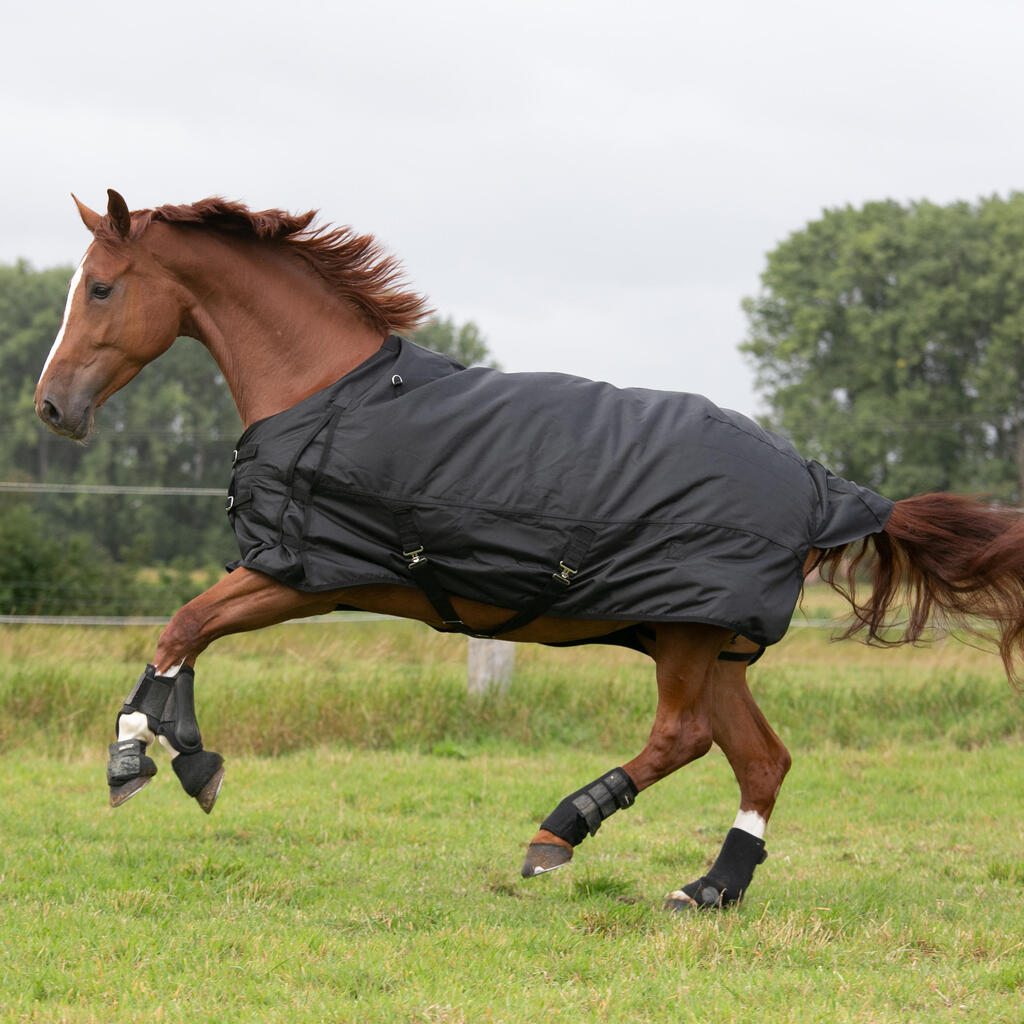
x=76, y=283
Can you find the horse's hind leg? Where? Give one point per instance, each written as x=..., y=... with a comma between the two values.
x=685, y=655
x=760, y=763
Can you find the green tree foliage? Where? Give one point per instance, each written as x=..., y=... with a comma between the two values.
x=889, y=344
x=465, y=344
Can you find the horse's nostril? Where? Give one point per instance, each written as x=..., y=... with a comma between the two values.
x=49, y=412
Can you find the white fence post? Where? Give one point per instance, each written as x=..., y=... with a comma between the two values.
x=489, y=665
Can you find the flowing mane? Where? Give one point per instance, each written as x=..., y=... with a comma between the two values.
x=355, y=266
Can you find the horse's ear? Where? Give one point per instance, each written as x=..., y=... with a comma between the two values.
x=117, y=211
x=90, y=218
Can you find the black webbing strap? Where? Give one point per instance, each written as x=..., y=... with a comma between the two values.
x=423, y=573
x=568, y=566
x=748, y=656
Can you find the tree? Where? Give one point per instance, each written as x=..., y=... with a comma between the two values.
x=465, y=344
x=889, y=344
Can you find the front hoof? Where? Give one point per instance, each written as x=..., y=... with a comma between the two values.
x=128, y=770
x=119, y=794
x=201, y=775
x=544, y=857
x=207, y=796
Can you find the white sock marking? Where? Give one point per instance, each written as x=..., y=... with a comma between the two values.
x=752, y=822
x=76, y=283
x=134, y=726
x=166, y=744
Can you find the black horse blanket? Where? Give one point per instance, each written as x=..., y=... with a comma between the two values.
x=651, y=506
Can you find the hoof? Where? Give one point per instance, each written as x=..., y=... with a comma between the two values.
x=699, y=895
x=201, y=775
x=119, y=794
x=207, y=796
x=128, y=770
x=544, y=857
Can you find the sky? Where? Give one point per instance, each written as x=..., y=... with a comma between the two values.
x=596, y=185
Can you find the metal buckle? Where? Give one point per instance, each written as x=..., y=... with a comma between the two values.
x=566, y=574
x=230, y=503
x=414, y=556
x=234, y=457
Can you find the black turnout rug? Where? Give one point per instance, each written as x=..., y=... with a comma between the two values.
x=652, y=506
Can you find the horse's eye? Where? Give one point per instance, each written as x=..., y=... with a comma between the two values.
x=100, y=291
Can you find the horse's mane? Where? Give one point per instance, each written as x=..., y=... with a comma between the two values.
x=355, y=266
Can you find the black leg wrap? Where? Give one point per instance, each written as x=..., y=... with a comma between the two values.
x=731, y=873
x=128, y=761
x=169, y=706
x=194, y=771
x=581, y=813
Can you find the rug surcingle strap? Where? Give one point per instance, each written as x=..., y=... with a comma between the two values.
x=423, y=573
x=748, y=656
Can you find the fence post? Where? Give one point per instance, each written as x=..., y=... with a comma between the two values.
x=489, y=665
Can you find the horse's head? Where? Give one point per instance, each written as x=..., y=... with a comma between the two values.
x=123, y=310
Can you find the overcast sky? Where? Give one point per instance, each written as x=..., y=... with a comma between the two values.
x=595, y=184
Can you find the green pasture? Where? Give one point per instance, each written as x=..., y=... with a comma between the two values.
x=363, y=861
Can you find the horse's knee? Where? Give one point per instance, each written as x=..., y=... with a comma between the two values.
x=182, y=638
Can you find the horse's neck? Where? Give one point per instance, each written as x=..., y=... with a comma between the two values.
x=276, y=331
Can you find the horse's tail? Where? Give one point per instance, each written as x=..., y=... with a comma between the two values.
x=945, y=560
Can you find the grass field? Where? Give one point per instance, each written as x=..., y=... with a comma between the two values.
x=362, y=863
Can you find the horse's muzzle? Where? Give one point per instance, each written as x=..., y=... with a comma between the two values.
x=76, y=427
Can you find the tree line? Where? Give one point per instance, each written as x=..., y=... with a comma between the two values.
x=888, y=342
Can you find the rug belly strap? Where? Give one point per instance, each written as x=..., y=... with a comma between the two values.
x=422, y=571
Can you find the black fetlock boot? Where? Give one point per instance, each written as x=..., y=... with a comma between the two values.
x=728, y=879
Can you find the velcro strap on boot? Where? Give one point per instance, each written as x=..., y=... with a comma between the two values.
x=149, y=695
x=580, y=814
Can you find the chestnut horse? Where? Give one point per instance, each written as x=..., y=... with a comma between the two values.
x=285, y=311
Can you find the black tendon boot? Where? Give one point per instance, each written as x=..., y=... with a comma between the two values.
x=728, y=878
x=580, y=814
x=168, y=706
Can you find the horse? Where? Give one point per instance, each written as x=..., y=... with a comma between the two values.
x=287, y=310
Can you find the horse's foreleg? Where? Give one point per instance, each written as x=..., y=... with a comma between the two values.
x=685, y=656
x=161, y=703
x=760, y=763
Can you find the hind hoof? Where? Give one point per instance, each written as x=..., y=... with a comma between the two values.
x=207, y=796
x=544, y=857
x=700, y=895
x=119, y=794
